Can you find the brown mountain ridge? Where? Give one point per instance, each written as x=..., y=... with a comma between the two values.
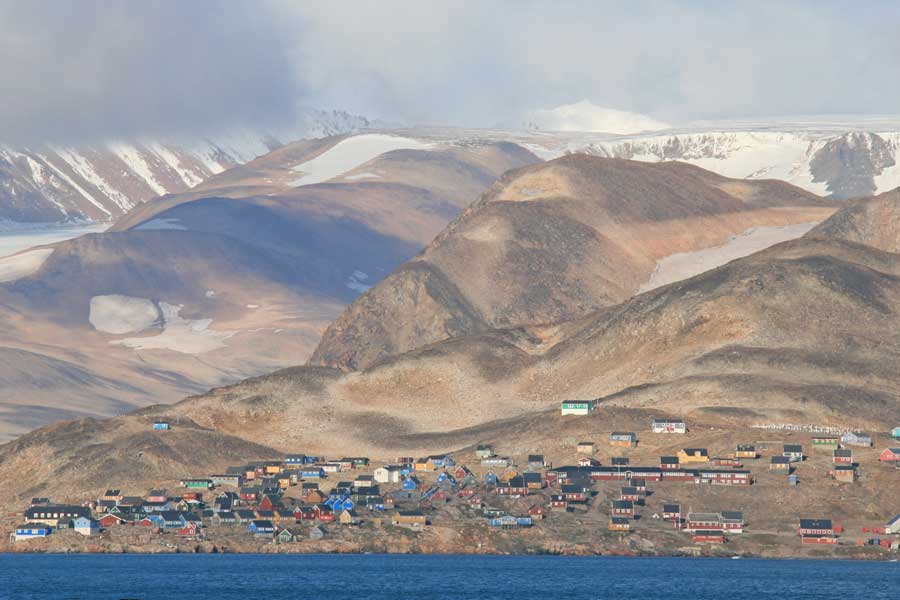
x=555, y=241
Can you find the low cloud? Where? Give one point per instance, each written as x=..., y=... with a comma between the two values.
x=95, y=69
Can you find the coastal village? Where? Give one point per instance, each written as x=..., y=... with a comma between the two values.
x=310, y=503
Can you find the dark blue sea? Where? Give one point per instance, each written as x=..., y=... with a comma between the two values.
x=381, y=577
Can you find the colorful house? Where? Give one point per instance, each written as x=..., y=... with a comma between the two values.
x=895, y=433
x=161, y=426
x=669, y=463
x=890, y=455
x=793, y=452
x=86, y=526
x=577, y=407
x=816, y=531
x=828, y=442
x=619, y=524
x=706, y=536
x=693, y=455
x=780, y=463
x=30, y=531
x=745, y=451
x=196, y=483
x=484, y=451
x=585, y=448
x=623, y=439
x=844, y=473
x=842, y=456
x=668, y=426
x=261, y=528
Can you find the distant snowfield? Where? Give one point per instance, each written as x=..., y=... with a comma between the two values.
x=23, y=265
x=687, y=264
x=588, y=117
x=350, y=153
x=18, y=237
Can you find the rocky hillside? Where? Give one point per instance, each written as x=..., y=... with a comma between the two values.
x=872, y=221
x=553, y=242
x=802, y=332
x=102, y=181
x=235, y=278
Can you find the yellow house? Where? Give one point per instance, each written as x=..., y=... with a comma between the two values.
x=412, y=517
x=585, y=448
x=424, y=464
x=284, y=481
x=693, y=455
x=745, y=451
x=273, y=469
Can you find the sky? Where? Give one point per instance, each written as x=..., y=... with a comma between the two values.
x=91, y=69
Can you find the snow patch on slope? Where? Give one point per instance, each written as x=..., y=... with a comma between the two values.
x=22, y=265
x=684, y=265
x=188, y=336
x=350, y=153
x=132, y=158
x=118, y=314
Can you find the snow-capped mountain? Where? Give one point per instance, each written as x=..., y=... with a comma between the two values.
x=839, y=165
x=100, y=182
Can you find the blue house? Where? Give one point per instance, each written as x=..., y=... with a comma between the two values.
x=261, y=528
x=409, y=484
x=172, y=519
x=312, y=473
x=490, y=478
x=30, y=531
x=161, y=426
x=310, y=460
x=895, y=433
x=295, y=459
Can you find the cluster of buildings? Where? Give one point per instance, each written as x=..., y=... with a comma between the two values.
x=299, y=496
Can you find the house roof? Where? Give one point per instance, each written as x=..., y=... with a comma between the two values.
x=695, y=451
x=844, y=453
x=263, y=523
x=623, y=504
x=793, y=448
x=732, y=515
x=668, y=460
x=815, y=524
x=671, y=508
x=780, y=460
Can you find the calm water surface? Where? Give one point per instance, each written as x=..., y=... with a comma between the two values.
x=380, y=577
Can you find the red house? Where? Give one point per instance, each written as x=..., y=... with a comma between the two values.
x=189, y=530
x=708, y=537
x=111, y=520
x=324, y=513
x=305, y=513
x=890, y=455
x=536, y=512
x=269, y=502
x=559, y=502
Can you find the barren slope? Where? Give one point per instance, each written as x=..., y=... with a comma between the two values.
x=873, y=221
x=226, y=282
x=555, y=241
x=803, y=332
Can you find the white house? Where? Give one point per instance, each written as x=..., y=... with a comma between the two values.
x=893, y=526
x=387, y=474
x=666, y=426
x=577, y=407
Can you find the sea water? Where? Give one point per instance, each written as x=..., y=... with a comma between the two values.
x=414, y=577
